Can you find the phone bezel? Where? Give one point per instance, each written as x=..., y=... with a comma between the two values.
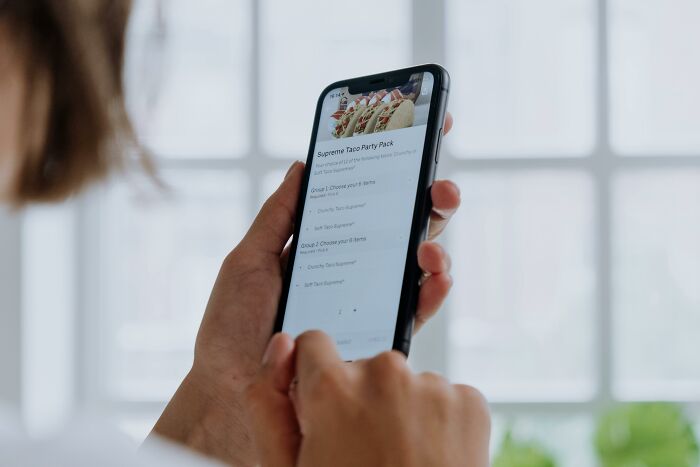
x=422, y=203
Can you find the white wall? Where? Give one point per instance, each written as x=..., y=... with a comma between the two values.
x=37, y=314
x=10, y=306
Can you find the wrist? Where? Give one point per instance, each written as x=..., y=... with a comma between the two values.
x=208, y=417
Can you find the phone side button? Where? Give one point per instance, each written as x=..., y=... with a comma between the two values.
x=437, y=148
x=406, y=346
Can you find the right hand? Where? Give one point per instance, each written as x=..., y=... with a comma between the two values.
x=373, y=412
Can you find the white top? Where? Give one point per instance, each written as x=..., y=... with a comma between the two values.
x=89, y=443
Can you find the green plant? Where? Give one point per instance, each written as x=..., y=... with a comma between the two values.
x=514, y=453
x=646, y=435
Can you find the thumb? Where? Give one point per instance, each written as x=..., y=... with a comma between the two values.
x=270, y=411
x=274, y=223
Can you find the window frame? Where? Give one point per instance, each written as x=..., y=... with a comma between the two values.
x=603, y=164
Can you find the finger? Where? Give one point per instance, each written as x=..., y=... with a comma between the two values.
x=274, y=223
x=432, y=258
x=271, y=414
x=446, y=199
x=315, y=351
x=449, y=121
x=433, y=292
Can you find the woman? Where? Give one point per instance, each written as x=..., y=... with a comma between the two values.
x=63, y=125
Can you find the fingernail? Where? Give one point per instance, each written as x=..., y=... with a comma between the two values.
x=289, y=170
x=277, y=347
x=270, y=350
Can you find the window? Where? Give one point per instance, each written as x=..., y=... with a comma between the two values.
x=657, y=279
x=159, y=256
x=654, y=98
x=524, y=77
x=223, y=93
x=523, y=245
x=322, y=51
x=187, y=77
x=576, y=147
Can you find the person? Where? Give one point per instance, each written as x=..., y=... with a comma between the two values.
x=248, y=398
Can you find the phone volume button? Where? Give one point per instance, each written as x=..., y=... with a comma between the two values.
x=437, y=147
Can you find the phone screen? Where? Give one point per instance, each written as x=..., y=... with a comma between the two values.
x=354, y=234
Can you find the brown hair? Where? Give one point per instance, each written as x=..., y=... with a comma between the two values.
x=73, y=51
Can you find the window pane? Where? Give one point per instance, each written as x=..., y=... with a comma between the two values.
x=657, y=285
x=187, y=76
x=522, y=76
x=159, y=256
x=566, y=437
x=655, y=71
x=306, y=45
x=137, y=427
x=521, y=315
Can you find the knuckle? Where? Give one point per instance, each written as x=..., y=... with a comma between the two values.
x=389, y=364
x=470, y=394
x=235, y=256
x=434, y=380
x=326, y=381
x=231, y=260
x=236, y=265
x=386, y=371
x=309, y=340
x=308, y=336
x=312, y=342
x=473, y=401
x=436, y=395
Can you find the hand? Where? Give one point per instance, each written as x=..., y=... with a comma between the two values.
x=371, y=412
x=206, y=412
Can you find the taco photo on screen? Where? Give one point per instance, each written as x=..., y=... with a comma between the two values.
x=376, y=97
x=368, y=120
x=393, y=95
x=398, y=114
x=346, y=123
x=361, y=101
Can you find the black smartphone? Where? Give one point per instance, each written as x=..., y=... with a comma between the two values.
x=363, y=209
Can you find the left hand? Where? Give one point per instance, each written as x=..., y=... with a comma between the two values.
x=206, y=413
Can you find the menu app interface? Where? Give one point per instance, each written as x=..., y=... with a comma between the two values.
x=355, y=228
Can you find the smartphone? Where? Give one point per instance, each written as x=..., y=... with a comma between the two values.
x=363, y=209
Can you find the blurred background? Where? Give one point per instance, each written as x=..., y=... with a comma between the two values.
x=576, y=251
